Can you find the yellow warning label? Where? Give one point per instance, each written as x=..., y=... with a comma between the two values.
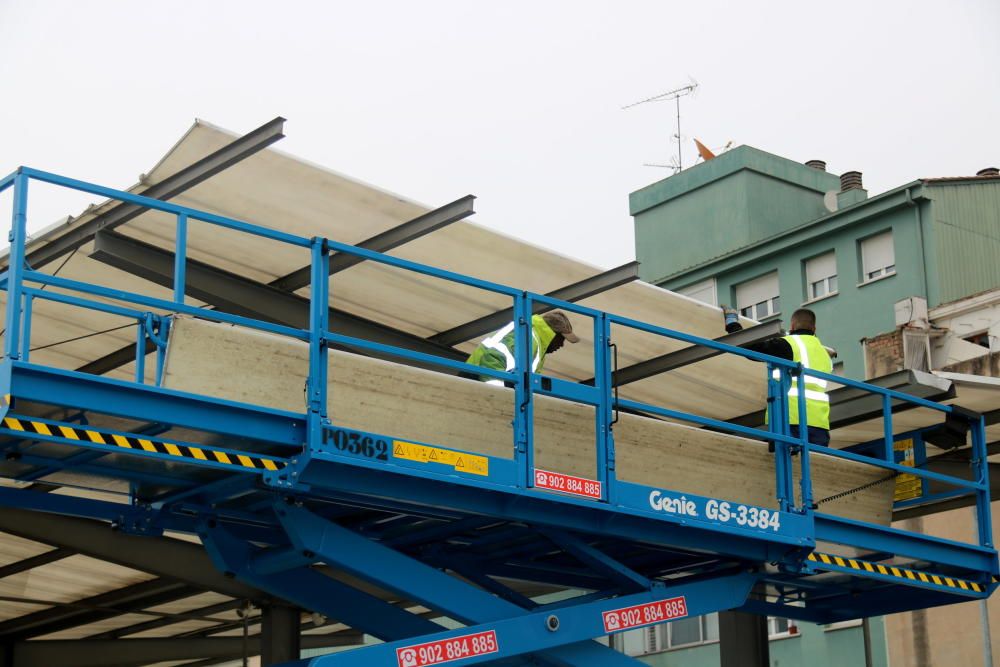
x=907, y=486
x=460, y=461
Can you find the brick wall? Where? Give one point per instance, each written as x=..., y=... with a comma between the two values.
x=883, y=354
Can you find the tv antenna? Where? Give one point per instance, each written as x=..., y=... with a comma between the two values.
x=675, y=95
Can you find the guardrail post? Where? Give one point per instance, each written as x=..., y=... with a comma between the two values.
x=890, y=454
x=805, y=484
x=603, y=423
x=984, y=519
x=777, y=419
x=319, y=323
x=180, y=257
x=26, y=338
x=15, y=268
x=524, y=450
x=140, y=352
x=163, y=334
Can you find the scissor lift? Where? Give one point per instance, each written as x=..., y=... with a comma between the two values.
x=272, y=493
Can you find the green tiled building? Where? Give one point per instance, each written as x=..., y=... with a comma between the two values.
x=769, y=235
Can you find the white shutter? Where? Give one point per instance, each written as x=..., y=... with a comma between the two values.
x=757, y=290
x=703, y=291
x=877, y=253
x=821, y=267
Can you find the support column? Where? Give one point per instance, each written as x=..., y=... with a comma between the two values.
x=279, y=635
x=743, y=640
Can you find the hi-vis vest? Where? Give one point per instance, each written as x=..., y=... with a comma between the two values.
x=497, y=351
x=808, y=351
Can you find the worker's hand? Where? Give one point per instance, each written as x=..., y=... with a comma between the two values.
x=732, y=318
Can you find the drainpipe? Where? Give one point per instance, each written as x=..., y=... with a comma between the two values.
x=920, y=239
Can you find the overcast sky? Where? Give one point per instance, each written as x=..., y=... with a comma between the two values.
x=518, y=103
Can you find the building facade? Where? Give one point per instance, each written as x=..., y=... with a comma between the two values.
x=694, y=642
x=769, y=235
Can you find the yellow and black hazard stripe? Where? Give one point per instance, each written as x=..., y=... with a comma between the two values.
x=905, y=575
x=138, y=444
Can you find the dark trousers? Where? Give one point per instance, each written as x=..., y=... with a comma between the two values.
x=817, y=436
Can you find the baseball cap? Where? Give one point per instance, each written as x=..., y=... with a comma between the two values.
x=560, y=324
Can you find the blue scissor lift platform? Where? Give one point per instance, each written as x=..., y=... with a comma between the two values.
x=272, y=493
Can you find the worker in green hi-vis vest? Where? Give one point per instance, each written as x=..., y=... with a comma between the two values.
x=548, y=333
x=803, y=346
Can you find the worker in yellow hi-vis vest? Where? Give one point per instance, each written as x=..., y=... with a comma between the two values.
x=548, y=333
x=803, y=346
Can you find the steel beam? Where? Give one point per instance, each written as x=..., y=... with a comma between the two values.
x=313, y=591
x=201, y=612
x=238, y=295
x=175, y=559
x=850, y=405
x=35, y=561
x=598, y=560
x=170, y=187
x=578, y=291
x=130, y=652
x=743, y=640
x=113, y=360
x=386, y=241
x=96, y=608
x=563, y=635
x=691, y=354
x=389, y=569
x=280, y=640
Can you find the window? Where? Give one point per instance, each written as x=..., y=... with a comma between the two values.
x=758, y=298
x=703, y=291
x=781, y=627
x=821, y=276
x=641, y=641
x=685, y=631
x=877, y=257
x=681, y=633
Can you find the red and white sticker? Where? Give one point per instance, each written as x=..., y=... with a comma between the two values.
x=645, y=614
x=577, y=486
x=447, y=650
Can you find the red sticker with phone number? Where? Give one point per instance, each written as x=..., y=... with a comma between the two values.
x=644, y=614
x=447, y=650
x=577, y=486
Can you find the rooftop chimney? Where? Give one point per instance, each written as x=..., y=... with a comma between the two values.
x=851, y=189
x=850, y=180
x=989, y=171
x=817, y=164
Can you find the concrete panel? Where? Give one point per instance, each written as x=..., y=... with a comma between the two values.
x=390, y=399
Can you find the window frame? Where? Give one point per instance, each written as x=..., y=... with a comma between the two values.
x=884, y=270
x=702, y=286
x=830, y=281
x=843, y=625
x=660, y=636
x=791, y=631
x=772, y=304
